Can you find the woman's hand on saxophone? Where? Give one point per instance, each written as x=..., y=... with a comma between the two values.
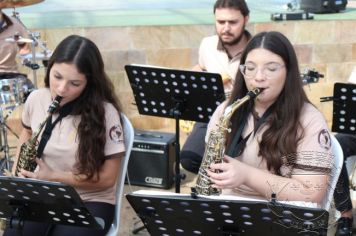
x=232, y=174
x=43, y=171
x=300, y=187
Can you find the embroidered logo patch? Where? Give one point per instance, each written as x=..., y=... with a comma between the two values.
x=115, y=134
x=324, y=139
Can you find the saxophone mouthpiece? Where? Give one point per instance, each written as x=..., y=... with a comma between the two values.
x=255, y=92
x=55, y=104
x=58, y=99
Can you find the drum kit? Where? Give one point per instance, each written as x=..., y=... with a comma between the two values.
x=15, y=87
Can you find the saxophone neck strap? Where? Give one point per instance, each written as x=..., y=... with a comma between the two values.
x=238, y=143
x=63, y=112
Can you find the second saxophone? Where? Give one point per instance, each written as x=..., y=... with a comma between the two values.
x=215, y=147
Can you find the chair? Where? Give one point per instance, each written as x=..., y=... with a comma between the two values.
x=129, y=138
x=351, y=169
x=338, y=158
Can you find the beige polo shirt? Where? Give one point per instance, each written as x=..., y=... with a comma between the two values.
x=314, y=150
x=214, y=58
x=60, y=150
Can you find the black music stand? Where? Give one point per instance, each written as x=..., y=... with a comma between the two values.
x=177, y=94
x=24, y=200
x=344, y=112
x=185, y=215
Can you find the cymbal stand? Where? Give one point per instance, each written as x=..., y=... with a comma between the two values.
x=5, y=163
x=33, y=61
x=16, y=15
x=35, y=36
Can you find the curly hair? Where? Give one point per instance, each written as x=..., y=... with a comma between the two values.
x=85, y=55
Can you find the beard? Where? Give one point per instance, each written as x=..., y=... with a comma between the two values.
x=235, y=40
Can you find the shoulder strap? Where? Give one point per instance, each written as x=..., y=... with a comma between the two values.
x=63, y=112
x=238, y=144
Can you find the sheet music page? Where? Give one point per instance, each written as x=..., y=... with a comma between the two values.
x=170, y=68
x=221, y=197
x=30, y=180
x=224, y=197
x=151, y=66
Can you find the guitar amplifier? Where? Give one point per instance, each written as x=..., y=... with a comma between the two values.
x=152, y=159
x=323, y=6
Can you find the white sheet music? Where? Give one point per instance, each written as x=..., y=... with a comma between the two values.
x=225, y=197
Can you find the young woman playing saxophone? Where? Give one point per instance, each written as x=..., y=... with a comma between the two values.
x=84, y=142
x=279, y=144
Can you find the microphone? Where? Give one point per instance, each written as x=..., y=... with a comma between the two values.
x=28, y=63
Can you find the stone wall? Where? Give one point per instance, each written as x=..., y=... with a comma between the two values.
x=327, y=46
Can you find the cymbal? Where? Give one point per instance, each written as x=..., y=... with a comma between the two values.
x=17, y=3
x=18, y=39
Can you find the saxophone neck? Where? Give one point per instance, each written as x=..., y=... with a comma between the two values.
x=51, y=109
x=37, y=133
x=238, y=103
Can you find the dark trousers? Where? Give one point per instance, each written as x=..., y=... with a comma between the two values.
x=193, y=149
x=342, y=197
x=102, y=210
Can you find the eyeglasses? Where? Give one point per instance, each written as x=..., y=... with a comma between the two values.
x=269, y=71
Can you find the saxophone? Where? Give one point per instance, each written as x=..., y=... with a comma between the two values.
x=28, y=150
x=215, y=147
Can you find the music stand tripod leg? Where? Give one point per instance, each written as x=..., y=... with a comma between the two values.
x=178, y=175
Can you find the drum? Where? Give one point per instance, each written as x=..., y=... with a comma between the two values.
x=14, y=88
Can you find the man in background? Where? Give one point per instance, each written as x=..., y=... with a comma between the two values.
x=219, y=53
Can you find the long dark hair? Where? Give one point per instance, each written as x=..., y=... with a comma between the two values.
x=85, y=55
x=284, y=132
